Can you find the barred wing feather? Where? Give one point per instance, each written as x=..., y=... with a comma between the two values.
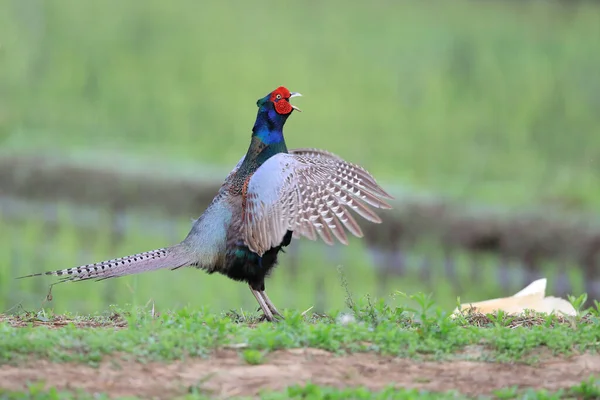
x=309, y=192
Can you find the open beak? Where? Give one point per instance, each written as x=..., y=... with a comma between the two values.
x=295, y=94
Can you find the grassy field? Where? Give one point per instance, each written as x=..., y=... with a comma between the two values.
x=493, y=101
x=373, y=352
x=484, y=102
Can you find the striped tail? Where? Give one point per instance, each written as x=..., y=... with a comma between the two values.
x=170, y=257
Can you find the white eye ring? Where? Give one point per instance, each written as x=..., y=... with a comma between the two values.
x=278, y=97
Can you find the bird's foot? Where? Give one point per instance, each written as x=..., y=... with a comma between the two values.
x=271, y=316
x=270, y=313
x=271, y=306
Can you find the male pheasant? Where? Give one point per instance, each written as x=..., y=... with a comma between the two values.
x=272, y=195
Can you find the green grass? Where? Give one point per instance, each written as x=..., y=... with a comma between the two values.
x=588, y=389
x=490, y=101
x=422, y=333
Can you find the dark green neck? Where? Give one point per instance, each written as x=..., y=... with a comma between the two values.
x=267, y=139
x=258, y=153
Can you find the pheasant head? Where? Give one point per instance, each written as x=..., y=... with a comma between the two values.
x=273, y=110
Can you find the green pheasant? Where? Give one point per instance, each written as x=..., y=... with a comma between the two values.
x=272, y=195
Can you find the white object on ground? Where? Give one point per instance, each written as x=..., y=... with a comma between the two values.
x=531, y=297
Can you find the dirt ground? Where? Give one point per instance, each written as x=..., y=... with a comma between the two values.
x=225, y=374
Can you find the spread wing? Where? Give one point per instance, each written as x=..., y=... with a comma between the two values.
x=309, y=192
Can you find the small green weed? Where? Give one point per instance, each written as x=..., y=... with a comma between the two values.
x=253, y=357
x=589, y=389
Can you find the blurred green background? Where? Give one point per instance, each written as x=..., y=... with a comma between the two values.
x=494, y=103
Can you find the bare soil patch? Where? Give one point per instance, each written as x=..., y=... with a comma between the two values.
x=59, y=321
x=225, y=374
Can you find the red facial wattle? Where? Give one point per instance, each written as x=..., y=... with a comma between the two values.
x=280, y=98
x=283, y=106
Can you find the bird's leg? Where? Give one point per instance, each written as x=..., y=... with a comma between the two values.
x=261, y=301
x=270, y=304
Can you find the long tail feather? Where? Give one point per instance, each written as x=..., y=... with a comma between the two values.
x=169, y=257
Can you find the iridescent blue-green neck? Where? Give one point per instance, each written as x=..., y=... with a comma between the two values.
x=269, y=124
x=267, y=138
